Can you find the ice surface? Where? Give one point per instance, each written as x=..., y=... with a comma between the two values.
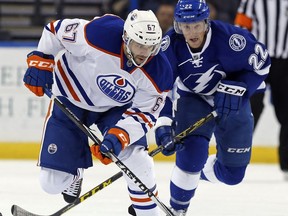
x=263, y=192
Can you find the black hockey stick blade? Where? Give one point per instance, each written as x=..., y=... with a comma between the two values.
x=18, y=211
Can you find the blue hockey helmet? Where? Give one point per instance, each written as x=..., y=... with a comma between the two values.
x=190, y=11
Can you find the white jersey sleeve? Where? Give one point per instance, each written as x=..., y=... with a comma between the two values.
x=64, y=34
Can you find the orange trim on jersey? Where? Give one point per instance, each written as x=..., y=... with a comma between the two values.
x=122, y=136
x=96, y=47
x=52, y=28
x=243, y=21
x=152, y=81
x=142, y=200
x=66, y=80
x=141, y=115
x=48, y=115
x=49, y=112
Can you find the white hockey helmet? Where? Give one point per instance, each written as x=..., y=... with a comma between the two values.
x=142, y=26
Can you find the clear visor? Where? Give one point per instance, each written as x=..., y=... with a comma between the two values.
x=138, y=48
x=195, y=27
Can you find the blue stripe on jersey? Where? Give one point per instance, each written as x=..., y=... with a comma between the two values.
x=61, y=89
x=58, y=26
x=143, y=125
x=145, y=113
x=47, y=28
x=80, y=88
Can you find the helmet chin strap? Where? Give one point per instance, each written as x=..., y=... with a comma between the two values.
x=130, y=55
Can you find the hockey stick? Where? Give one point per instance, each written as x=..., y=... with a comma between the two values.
x=18, y=211
x=115, y=159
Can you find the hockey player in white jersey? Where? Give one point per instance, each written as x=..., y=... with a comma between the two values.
x=219, y=66
x=111, y=74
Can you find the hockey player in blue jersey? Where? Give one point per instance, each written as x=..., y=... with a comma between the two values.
x=218, y=67
x=109, y=73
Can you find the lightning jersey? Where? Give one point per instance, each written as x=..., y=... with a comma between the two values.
x=229, y=53
x=94, y=73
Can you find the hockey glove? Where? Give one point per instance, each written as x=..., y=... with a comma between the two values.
x=228, y=98
x=164, y=135
x=114, y=141
x=39, y=74
x=95, y=149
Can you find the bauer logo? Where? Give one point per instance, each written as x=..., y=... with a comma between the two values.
x=52, y=148
x=116, y=88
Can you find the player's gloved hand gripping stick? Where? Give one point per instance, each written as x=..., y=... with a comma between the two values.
x=18, y=211
x=39, y=74
x=119, y=163
x=228, y=98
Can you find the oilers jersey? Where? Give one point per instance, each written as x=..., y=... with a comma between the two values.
x=93, y=72
x=229, y=53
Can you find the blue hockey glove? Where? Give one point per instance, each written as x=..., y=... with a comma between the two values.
x=165, y=136
x=228, y=98
x=114, y=141
x=39, y=74
x=111, y=144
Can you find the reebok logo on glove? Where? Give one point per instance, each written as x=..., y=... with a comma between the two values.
x=231, y=89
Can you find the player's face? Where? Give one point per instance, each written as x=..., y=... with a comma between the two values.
x=194, y=33
x=140, y=52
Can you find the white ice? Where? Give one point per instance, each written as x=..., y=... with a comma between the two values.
x=263, y=192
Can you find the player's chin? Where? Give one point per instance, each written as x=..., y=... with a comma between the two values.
x=195, y=43
x=140, y=60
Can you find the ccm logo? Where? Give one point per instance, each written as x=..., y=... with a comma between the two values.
x=41, y=64
x=231, y=89
x=238, y=150
x=123, y=138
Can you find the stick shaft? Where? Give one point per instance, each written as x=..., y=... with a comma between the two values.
x=18, y=211
x=116, y=160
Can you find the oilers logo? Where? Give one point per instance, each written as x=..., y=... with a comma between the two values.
x=116, y=88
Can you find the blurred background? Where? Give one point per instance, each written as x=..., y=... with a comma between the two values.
x=21, y=24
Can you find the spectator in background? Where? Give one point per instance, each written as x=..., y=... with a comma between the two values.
x=267, y=20
x=225, y=9
x=165, y=15
x=119, y=8
x=163, y=9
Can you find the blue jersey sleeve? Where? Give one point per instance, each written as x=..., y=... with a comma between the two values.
x=242, y=57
